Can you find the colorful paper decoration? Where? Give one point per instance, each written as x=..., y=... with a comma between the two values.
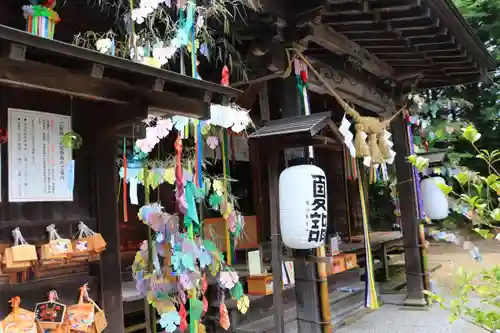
x=186, y=255
x=40, y=20
x=225, y=76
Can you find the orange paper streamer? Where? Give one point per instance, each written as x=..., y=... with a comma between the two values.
x=224, y=317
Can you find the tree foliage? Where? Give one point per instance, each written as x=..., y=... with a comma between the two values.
x=484, y=111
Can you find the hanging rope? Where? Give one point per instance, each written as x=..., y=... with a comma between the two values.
x=365, y=126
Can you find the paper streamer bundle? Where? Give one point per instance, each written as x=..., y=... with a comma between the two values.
x=41, y=21
x=301, y=77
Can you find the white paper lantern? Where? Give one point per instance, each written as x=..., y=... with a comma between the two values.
x=303, y=207
x=435, y=202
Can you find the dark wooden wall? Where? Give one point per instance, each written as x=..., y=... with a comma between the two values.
x=33, y=217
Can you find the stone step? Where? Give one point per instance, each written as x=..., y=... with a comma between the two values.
x=343, y=305
x=266, y=324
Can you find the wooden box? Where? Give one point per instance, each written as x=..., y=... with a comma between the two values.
x=351, y=260
x=260, y=284
x=249, y=238
x=338, y=264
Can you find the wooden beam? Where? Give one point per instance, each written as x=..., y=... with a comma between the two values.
x=360, y=93
x=337, y=43
x=80, y=55
x=59, y=80
x=118, y=118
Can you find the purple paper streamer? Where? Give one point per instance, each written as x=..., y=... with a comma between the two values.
x=417, y=177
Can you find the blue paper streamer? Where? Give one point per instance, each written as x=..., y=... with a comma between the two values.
x=71, y=175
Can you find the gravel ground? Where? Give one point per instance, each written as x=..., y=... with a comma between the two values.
x=396, y=319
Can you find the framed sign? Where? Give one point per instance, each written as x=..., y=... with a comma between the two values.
x=38, y=162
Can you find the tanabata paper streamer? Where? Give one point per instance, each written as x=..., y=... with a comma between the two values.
x=371, y=300
x=70, y=174
x=180, y=258
x=225, y=76
x=169, y=321
x=224, y=317
x=42, y=11
x=134, y=199
x=40, y=20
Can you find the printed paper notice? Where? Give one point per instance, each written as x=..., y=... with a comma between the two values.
x=38, y=162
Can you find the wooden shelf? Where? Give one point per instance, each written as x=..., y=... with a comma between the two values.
x=49, y=283
x=33, y=292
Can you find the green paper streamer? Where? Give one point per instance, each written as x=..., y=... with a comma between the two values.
x=225, y=142
x=191, y=217
x=196, y=309
x=150, y=312
x=237, y=291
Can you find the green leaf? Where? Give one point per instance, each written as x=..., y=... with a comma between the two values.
x=479, y=188
x=433, y=108
x=412, y=159
x=496, y=187
x=463, y=177
x=471, y=134
x=491, y=179
x=483, y=233
x=471, y=201
x=495, y=214
x=418, y=162
x=446, y=189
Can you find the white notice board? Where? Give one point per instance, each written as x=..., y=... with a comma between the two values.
x=38, y=162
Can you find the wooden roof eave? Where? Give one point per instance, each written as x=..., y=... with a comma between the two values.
x=301, y=131
x=127, y=82
x=456, y=22
x=381, y=34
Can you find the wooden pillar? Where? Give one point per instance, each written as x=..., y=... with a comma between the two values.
x=259, y=190
x=409, y=214
x=306, y=287
x=274, y=216
x=105, y=151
